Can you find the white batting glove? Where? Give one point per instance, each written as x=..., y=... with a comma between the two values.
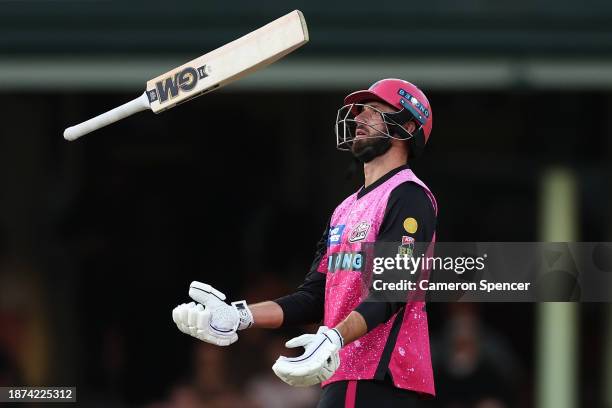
x=211, y=319
x=318, y=363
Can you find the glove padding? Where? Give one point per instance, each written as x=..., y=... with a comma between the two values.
x=318, y=363
x=211, y=319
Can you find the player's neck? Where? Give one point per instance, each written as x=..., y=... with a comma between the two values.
x=381, y=165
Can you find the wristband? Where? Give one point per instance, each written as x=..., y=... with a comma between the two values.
x=340, y=338
x=244, y=314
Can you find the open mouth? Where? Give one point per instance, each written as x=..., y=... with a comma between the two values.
x=360, y=132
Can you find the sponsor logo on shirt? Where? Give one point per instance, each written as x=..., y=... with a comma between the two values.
x=345, y=261
x=359, y=232
x=335, y=234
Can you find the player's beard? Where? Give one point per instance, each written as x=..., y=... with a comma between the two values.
x=367, y=149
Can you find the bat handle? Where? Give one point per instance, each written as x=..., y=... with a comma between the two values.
x=120, y=112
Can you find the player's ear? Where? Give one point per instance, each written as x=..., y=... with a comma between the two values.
x=410, y=127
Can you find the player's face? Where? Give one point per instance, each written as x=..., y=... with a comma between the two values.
x=370, y=125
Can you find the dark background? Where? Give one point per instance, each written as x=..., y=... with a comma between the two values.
x=100, y=238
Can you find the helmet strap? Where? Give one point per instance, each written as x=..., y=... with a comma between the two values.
x=416, y=144
x=416, y=140
x=398, y=118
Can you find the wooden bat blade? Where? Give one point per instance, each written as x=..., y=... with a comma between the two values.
x=209, y=72
x=228, y=63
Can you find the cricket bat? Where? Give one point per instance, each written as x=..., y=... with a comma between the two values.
x=211, y=71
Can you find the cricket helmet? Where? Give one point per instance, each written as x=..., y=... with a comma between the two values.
x=411, y=102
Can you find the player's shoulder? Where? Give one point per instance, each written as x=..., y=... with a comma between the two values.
x=412, y=194
x=349, y=199
x=409, y=189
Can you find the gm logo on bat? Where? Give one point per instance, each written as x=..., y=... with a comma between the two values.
x=185, y=80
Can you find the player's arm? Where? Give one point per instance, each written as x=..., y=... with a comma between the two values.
x=267, y=315
x=304, y=306
x=211, y=319
x=408, y=201
x=353, y=327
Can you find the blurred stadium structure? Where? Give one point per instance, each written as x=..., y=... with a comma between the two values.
x=100, y=238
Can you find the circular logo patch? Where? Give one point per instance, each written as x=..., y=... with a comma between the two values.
x=411, y=225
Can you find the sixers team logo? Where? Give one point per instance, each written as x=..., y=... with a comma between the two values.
x=359, y=232
x=407, y=247
x=406, y=240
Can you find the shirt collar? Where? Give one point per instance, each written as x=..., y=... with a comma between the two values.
x=365, y=190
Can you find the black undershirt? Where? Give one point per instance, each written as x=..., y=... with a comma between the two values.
x=407, y=200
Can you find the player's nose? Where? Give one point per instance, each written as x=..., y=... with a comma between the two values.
x=361, y=119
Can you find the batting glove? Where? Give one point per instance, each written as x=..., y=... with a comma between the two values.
x=211, y=319
x=318, y=363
